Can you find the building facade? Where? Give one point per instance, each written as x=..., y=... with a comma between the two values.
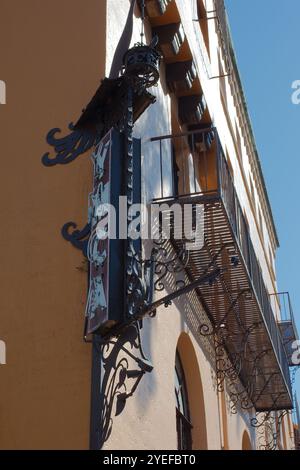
x=153, y=345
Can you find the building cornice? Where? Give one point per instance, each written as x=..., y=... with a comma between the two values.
x=249, y=138
x=244, y=118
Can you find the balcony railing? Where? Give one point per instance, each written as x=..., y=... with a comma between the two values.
x=240, y=296
x=286, y=322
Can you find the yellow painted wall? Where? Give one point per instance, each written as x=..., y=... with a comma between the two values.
x=52, y=58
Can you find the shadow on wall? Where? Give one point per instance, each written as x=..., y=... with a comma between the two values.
x=194, y=386
x=118, y=367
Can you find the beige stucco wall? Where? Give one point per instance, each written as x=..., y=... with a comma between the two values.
x=148, y=420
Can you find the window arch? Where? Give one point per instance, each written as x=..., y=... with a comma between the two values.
x=193, y=391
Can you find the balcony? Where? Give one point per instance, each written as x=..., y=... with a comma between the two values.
x=155, y=8
x=286, y=322
x=237, y=305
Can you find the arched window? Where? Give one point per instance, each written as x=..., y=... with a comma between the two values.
x=183, y=424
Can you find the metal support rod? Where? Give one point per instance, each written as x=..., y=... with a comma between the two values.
x=205, y=18
x=183, y=134
x=221, y=76
x=208, y=278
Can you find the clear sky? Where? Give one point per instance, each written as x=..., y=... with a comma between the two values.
x=266, y=36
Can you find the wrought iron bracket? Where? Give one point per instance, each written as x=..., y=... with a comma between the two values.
x=104, y=111
x=69, y=147
x=160, y=264
x=168, y=299
x=164, y=262
x=268, y=426
x=228, y=370
x=141, y=283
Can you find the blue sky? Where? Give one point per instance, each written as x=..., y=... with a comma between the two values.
x=266, y=37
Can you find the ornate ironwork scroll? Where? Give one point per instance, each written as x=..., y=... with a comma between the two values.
x=165, y=263
x=78, y=238
x=268, y=426
x=230, y=365
x=69, y=147
x=104, y=111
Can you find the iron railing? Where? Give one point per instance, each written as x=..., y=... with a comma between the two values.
x=216, y=184
x=241, y=231
x=286, y=322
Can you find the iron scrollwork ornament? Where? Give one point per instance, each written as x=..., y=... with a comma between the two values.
x=104, y=111
x=78, y=238
x=69, y=147
x=268, y=426
x=229, y=365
